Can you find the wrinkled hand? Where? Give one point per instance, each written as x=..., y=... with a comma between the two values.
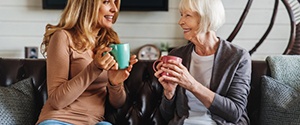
x=105, y=61
x=169, y=87
x=178, y=75
x=116, y=76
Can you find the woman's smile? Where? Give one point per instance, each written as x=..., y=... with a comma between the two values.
x=109, y=17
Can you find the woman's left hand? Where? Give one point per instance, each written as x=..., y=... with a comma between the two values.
x=116, y=76
x=178, y=74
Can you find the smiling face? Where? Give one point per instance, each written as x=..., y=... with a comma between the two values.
x=107, y=11
x=189, y=22
x=199, y=17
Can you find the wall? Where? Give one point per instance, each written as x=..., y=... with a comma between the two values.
x=22, y=24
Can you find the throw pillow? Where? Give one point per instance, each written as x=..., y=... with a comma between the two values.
x=285, y=68
x=280, y=103
x=17, y=105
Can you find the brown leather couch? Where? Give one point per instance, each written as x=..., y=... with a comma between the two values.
x=144, y=91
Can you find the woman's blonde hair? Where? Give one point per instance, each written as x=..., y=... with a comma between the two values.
x=80, y=17
x=211, y=12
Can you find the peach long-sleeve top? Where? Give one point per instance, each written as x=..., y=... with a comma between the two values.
x=77, y=89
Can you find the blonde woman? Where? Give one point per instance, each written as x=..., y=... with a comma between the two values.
x=79, y=76
x=212, y=84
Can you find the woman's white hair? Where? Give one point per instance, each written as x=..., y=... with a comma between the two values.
x=211, y=12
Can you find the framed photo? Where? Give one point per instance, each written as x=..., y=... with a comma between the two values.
x=31, y=52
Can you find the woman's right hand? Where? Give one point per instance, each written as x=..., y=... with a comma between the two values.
x=104, y=61
x=169, y=87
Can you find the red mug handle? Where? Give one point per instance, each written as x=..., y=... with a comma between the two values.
x=154, y=64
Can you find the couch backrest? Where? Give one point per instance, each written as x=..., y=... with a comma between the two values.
x=144, y=95
x=259, y=68
x=144, y=91
x=15, y=70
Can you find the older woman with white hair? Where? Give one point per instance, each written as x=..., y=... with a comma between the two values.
x=212, y=83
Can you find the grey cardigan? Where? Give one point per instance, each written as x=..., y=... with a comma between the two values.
x=231, y=76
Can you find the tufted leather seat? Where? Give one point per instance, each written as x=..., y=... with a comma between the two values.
x=144, y=91
x=144, y=95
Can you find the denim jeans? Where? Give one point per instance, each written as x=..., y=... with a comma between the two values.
x=56, y=122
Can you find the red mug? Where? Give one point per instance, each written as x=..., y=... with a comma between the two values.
x=165, y=59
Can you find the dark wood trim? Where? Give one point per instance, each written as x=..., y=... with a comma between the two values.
x=271, y=24
x=240, y=22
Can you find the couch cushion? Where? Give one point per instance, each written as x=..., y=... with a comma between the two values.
x=285, y=68
x=279, y=103
x=17, y=105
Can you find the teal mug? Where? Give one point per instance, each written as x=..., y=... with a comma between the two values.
x=121, y=53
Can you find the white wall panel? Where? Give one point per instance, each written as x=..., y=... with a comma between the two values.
x=18, y=14
x=21, y=3
x=22, y=23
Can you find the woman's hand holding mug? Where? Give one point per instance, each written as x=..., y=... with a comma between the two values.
x=169, y=87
